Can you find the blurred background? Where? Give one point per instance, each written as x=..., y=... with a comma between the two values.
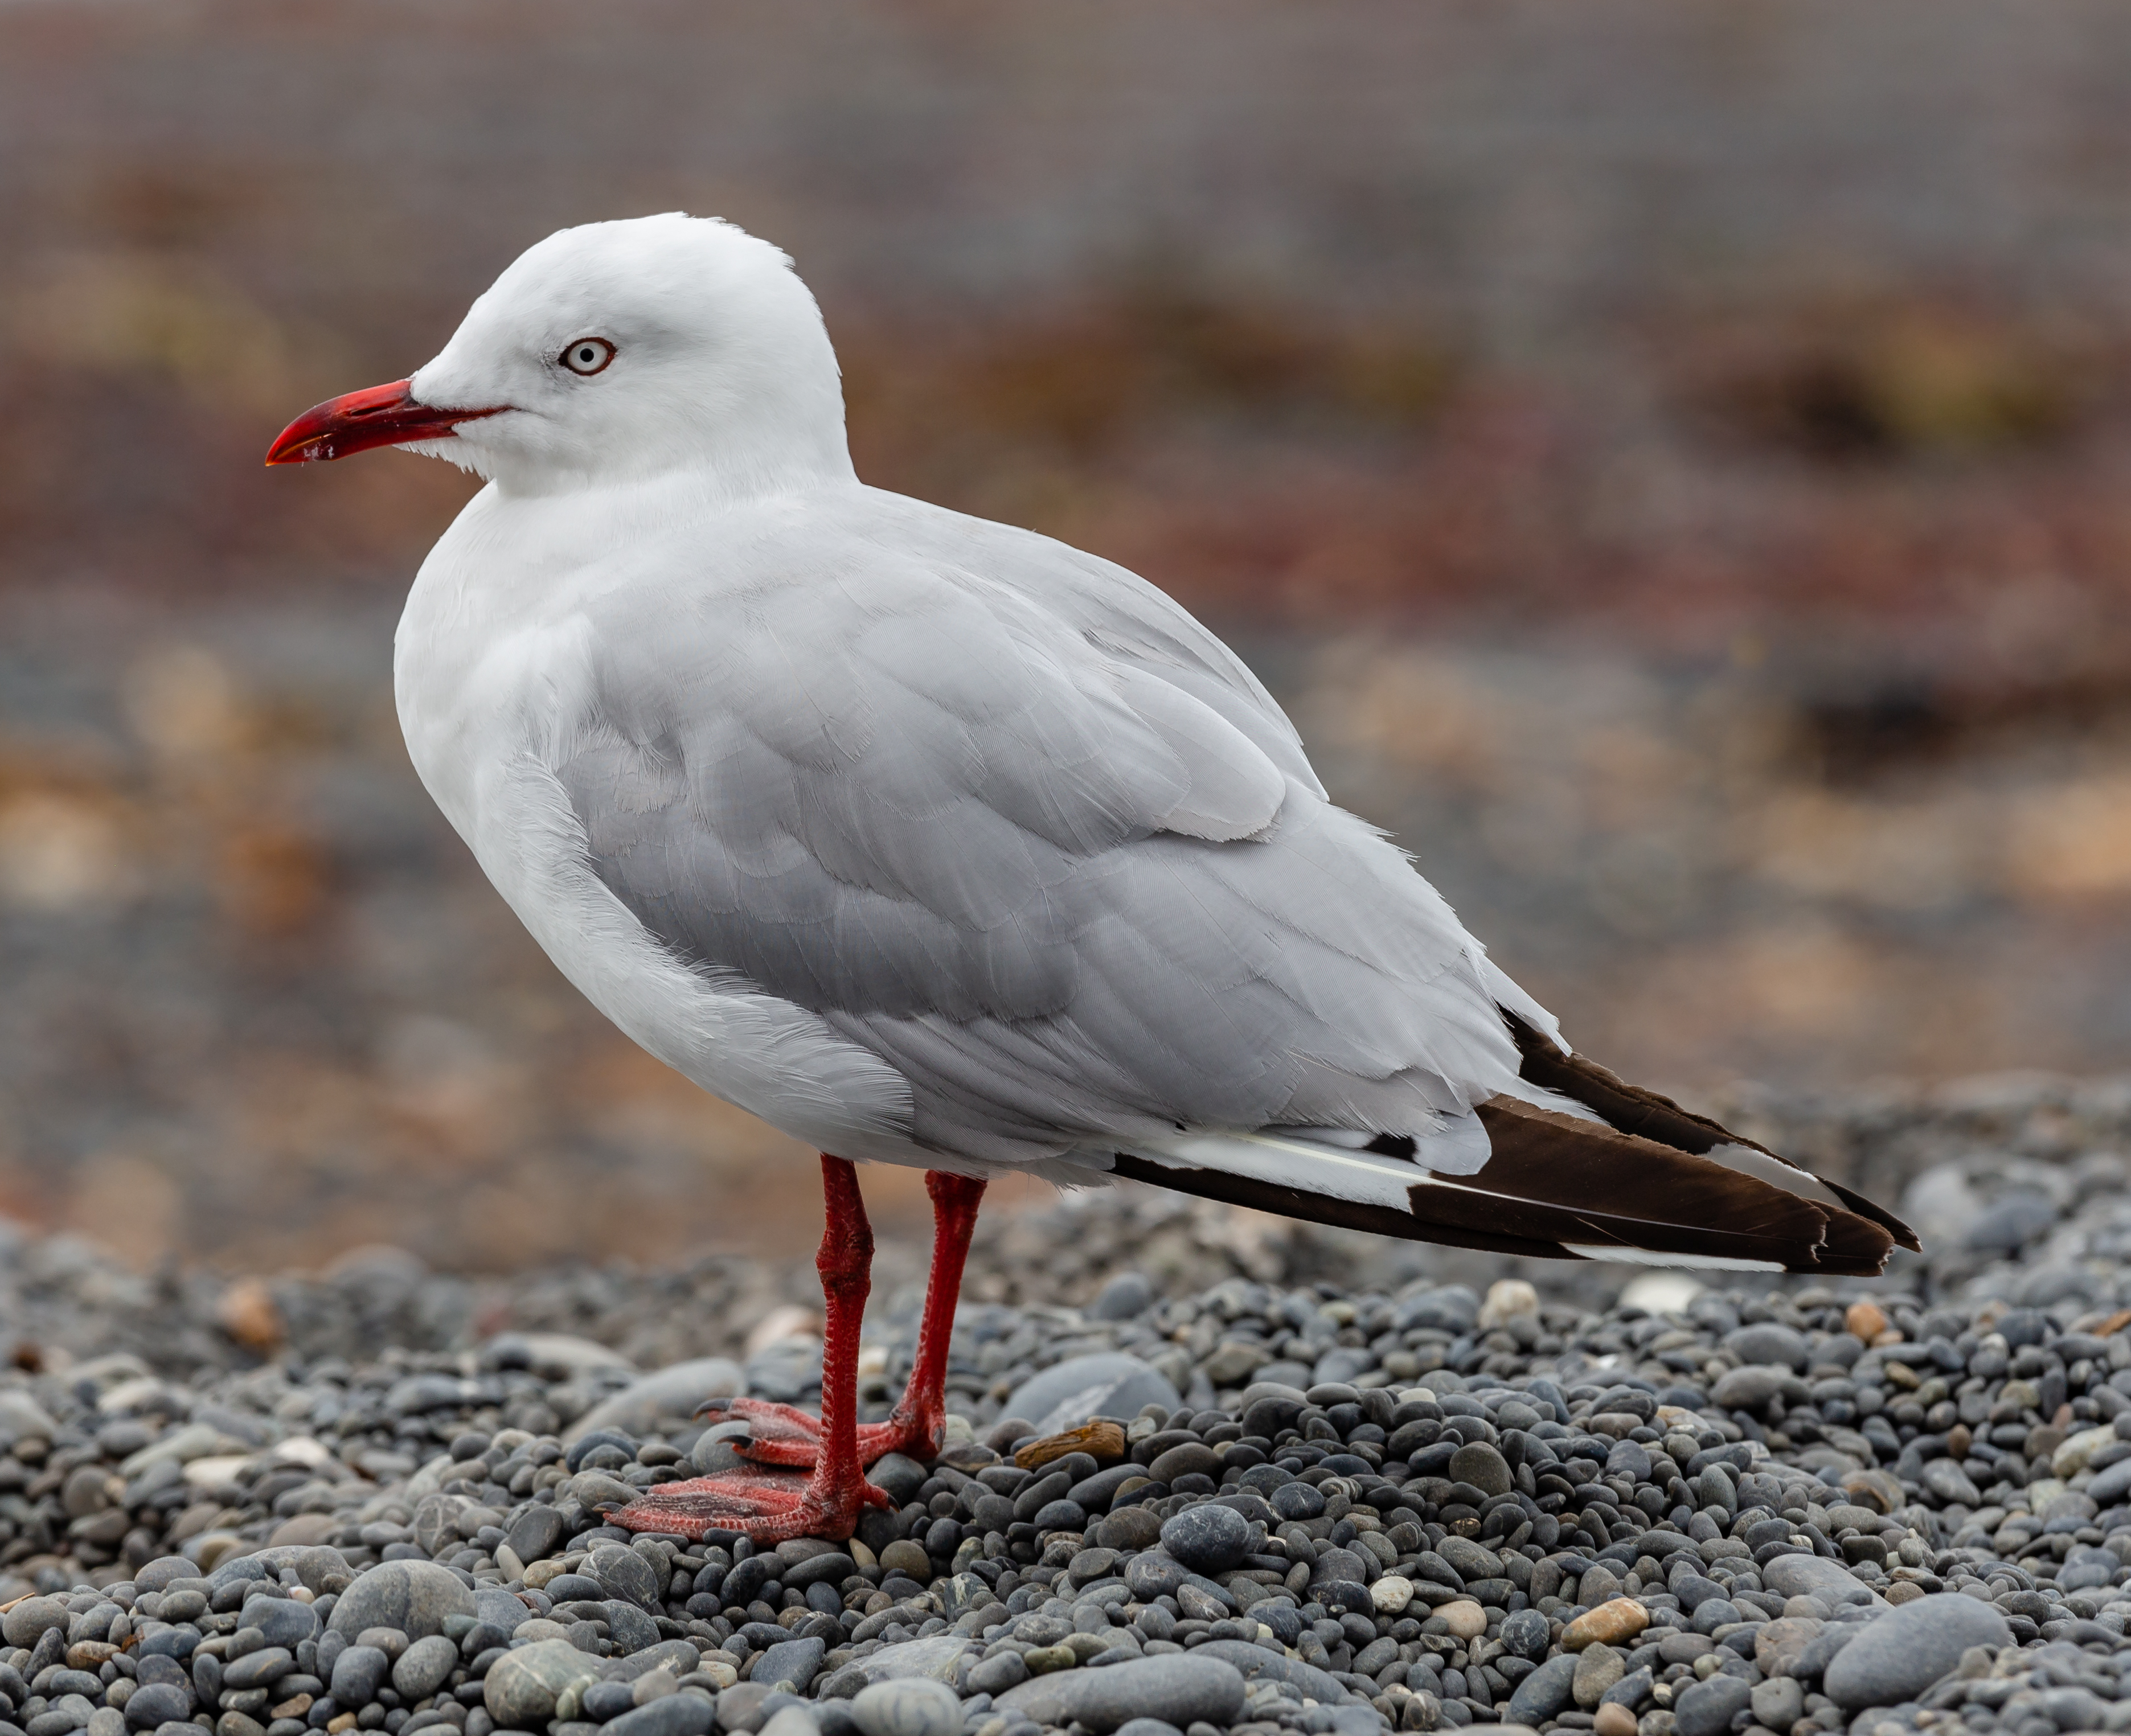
x=1673, y=460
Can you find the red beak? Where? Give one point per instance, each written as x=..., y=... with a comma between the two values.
x=381, y=415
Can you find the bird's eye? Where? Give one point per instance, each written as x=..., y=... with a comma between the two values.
x=587, y=355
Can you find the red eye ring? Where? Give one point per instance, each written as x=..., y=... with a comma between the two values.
x=587, y=356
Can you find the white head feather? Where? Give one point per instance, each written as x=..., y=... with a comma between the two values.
x=722, y=366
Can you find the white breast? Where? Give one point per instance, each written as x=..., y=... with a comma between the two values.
x=490, y=671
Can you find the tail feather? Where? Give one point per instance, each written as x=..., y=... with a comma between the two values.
x=1635, y=1109
x=1650, y=1182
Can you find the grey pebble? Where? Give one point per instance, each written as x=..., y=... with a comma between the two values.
x=673, y=1714
x=358, y=1673
x=911, y=1707
x=1707, y=1708
x=423, y=1667
x=1209, y=1538
x=415, y=1597
x=1109, y=1384
x=1543, y=1693
x=792, y=1663
x=522, y=1686
x=1901, y=1654
x=626, y=1575
x=258, y=1669
x=1178, y=1690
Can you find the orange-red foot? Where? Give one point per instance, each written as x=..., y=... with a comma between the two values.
x=768, y=1506
x=780, y=1434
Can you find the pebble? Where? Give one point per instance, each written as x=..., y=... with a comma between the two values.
x=1464, y=1620
x=1210, y=1539
x=1613, y=1623
x=1708, y=1708
x=415, y=1597
x=522, y=1686
x=1180, y=1691
x=1544, y=1691
x=1598, y=1667
x=914, y=1707
x=1432, y=1511
x=1904, y=1651
x=424, y=1666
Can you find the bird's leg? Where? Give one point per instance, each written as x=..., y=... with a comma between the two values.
x=914, y=1425
x=769, y=1505
x=780, y=1434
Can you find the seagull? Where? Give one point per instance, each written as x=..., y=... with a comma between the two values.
x=936, y=842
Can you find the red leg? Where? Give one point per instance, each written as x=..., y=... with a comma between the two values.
x=769, y=1507
x=781, y=1435
x=914, y=1425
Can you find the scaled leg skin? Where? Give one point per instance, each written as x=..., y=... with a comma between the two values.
x=770, y=1505
x=780, y=1434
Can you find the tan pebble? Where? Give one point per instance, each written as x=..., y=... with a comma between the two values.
x=1103, y=1441
x=1614, y=1720
x=1866, y=1320
x=248, y=1313
x=1621, y=1618
x=1903, y=1591
x=340, y=1724
x=1465, y=1618
x=1507, y=1298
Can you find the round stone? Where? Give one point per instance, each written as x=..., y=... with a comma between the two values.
x=1598, y=1668
x=1770, y=1342
x=1482, y=1466
x=1180, y=1690
x=911, y=1707
x=1464, y=1618
x=1864, y=1320
x=1189, y=1458
x=1125, y=1297
x=1810, y=1576
x=1901, y=1653
x=1614, y=1719
x=996, y=1675
x=1779, y=1703
x=1208, y=1539
x=1612, y=1622
x=357, y=1674
x=1542, y=1695
x=158, y=1703
x=25, y=1624
x=522, y=1686
x=626, y=1575
x=423, y=1667
x=1707, y=1708
x=415, y=1597
x=1526, y=1634
x=1390, y=1593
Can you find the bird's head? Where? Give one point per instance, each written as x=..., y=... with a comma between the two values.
x=614, y=353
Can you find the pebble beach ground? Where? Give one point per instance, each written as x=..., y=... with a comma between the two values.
x=1204, y=1473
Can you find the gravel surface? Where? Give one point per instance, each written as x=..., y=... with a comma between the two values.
x=1341, y=1484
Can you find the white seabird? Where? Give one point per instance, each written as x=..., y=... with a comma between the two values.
x=932, y=841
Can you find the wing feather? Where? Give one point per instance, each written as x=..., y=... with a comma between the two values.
x=1019, y=826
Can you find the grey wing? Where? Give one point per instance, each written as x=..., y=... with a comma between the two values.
x=1061, y=893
